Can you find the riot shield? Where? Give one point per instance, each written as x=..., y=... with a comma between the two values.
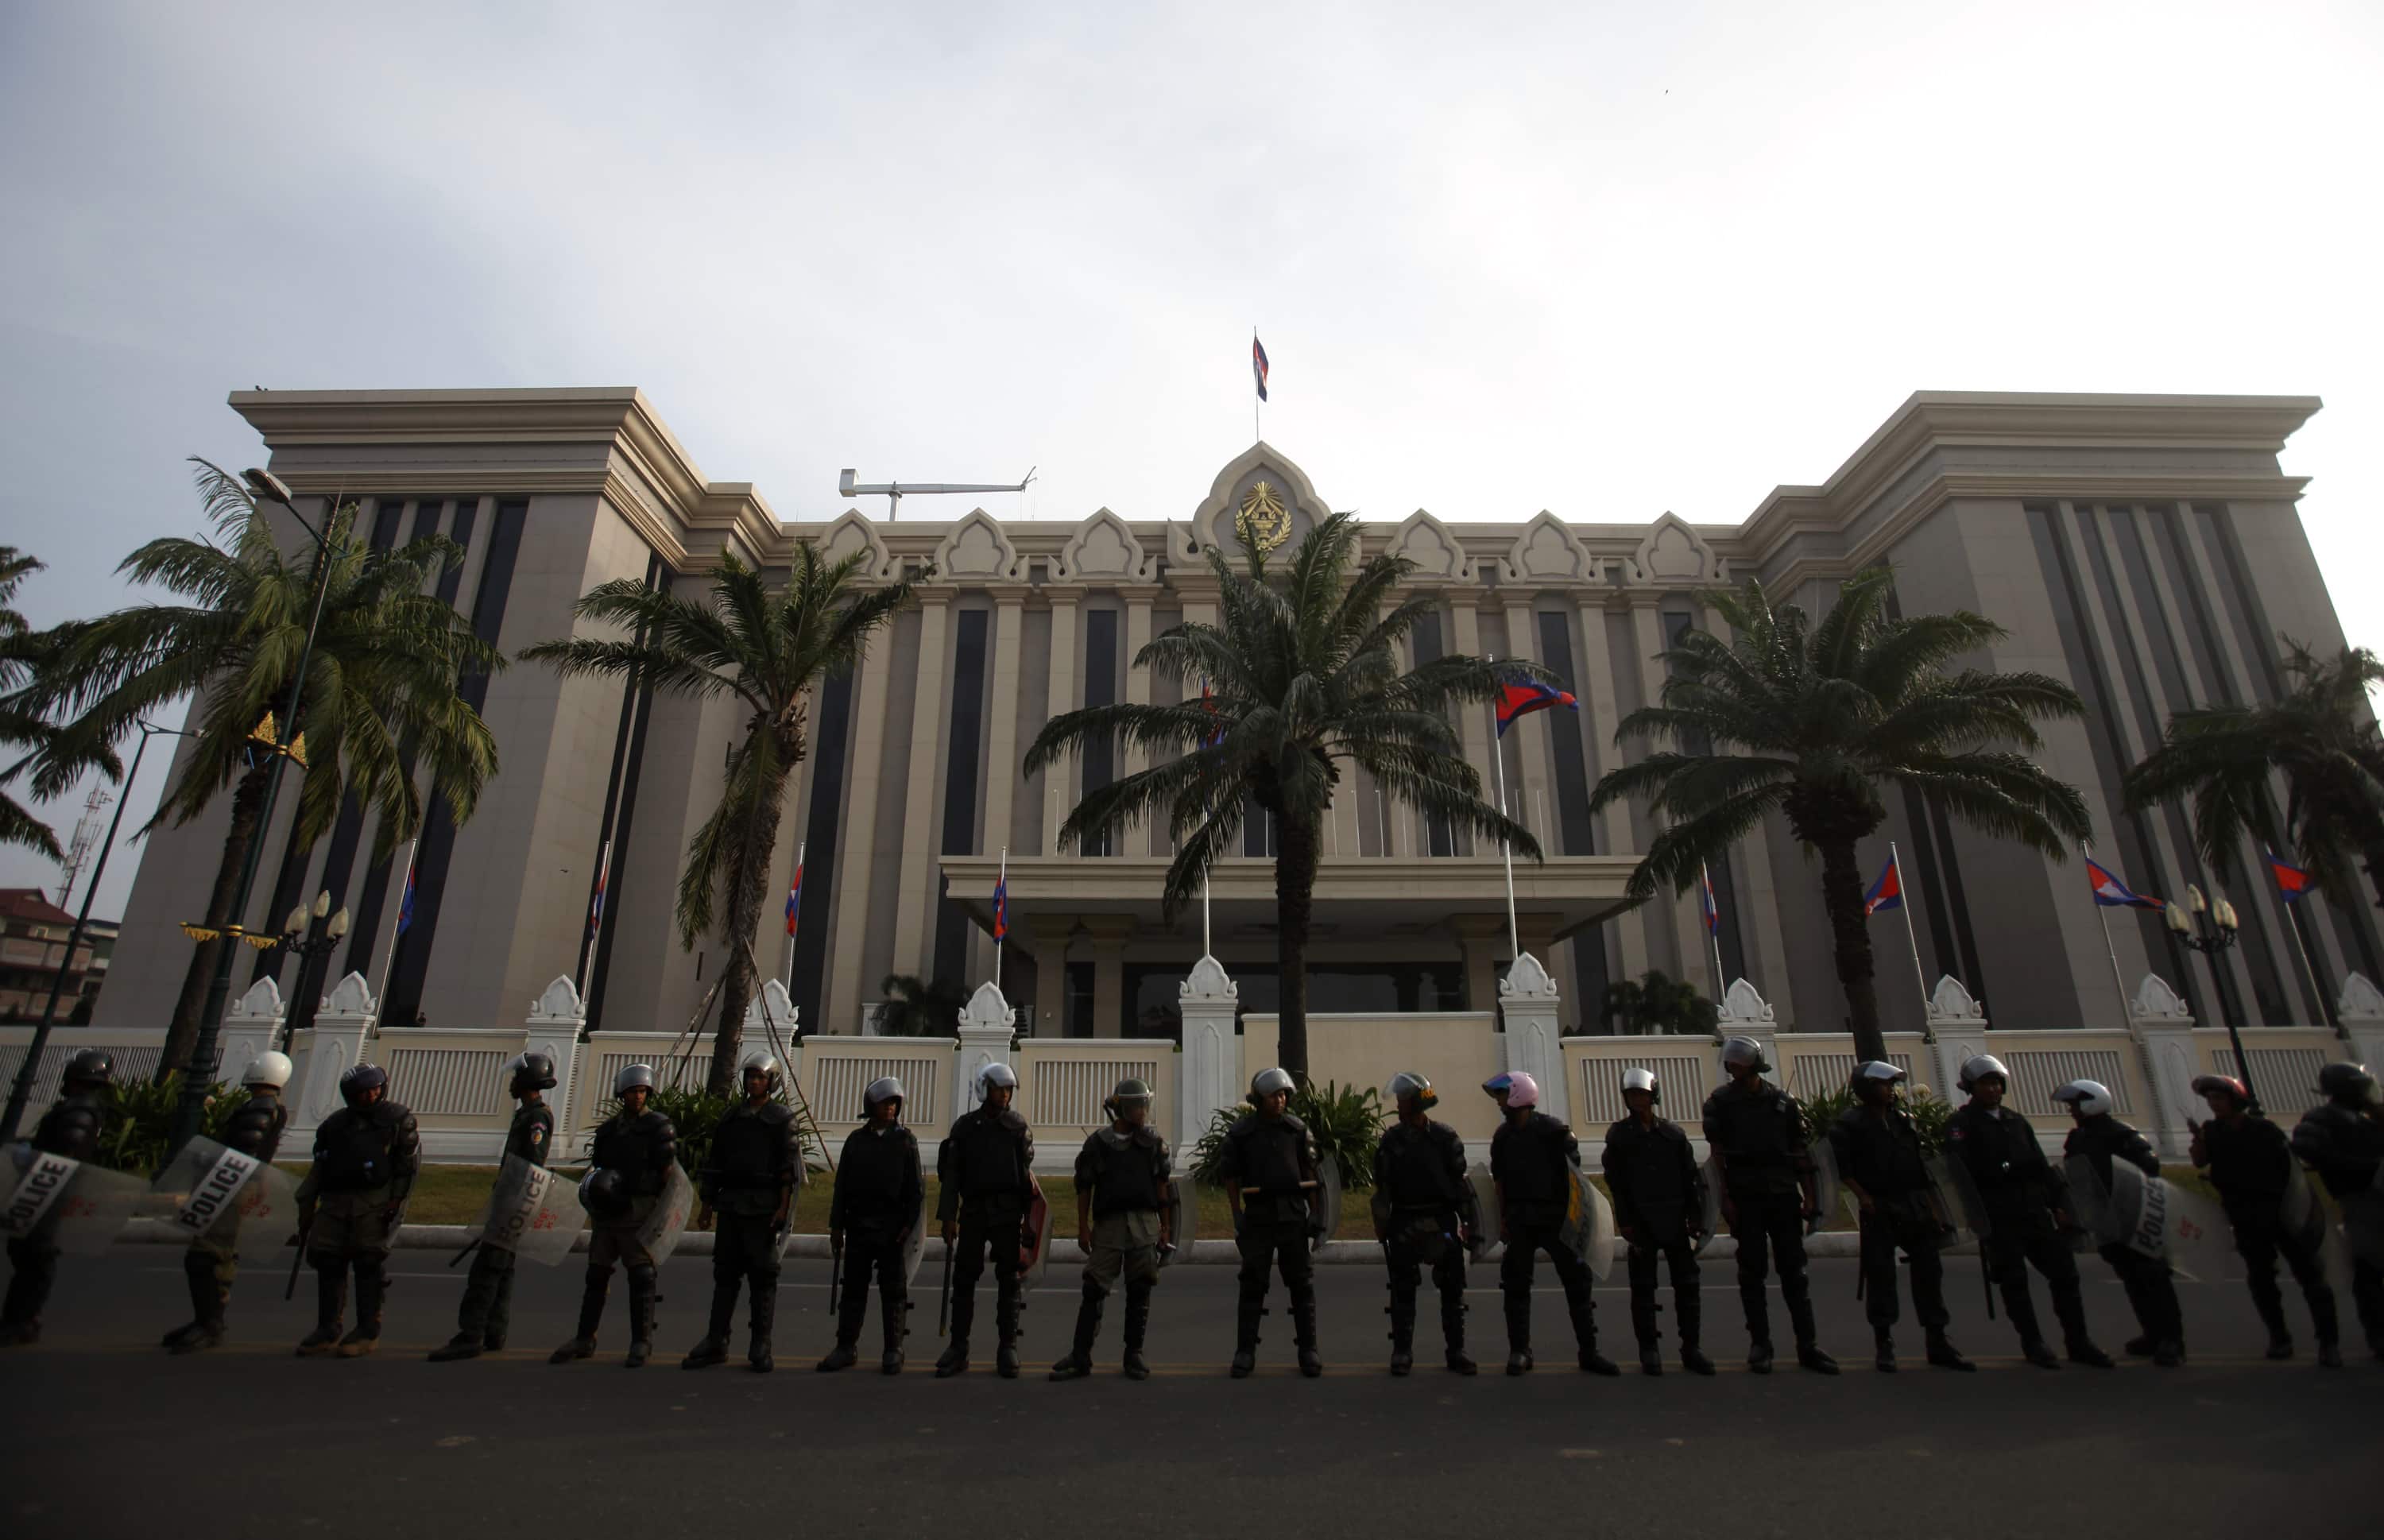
x=914, y=1247
x=2190, y=1229
x=1968, y=1209
x=1485, y=1205
x=1826, y=1190
x=1186, y=1221
x=2304, y=1217
x=2363, y=1222
x=1034, y=1240
x=1328, y=1197
x=1588, y=1228
x=1712, y=1219
x=209, y=1185
x=659, y=1235
x=2090, y=1201
x=80, y=1206
x=530, y=1212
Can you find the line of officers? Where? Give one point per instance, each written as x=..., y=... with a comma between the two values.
x=1427, y=1213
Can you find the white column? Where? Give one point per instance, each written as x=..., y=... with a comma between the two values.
x=1150, y=840
x=1527, y=999
x=1211, y=1074
x=2360, y=1008
x=342, y=1031
x=2163, y=1032
x=1059, y=781
x=553, y=1026
x=1002, y=750
x=984, y=1038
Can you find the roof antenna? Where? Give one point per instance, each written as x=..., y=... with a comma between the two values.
x=895, y=492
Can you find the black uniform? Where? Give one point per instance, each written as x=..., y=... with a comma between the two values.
x=1421, y=1195
x=212, y=1262
x=755, y=1166
x=640, y=1151
x=1533, y=1159
x=2343, y=1142
x=70, y=1129
x=878, y=1191
x=486, y=1311
x=2251, y=1165
x=365, y=1159
x=986, y=1173
x=1659, y=1202
x=1758, y=1131
x=1878, y=1149
x=2152, y=1292
x=1275, y=1161
x=2020, y=1191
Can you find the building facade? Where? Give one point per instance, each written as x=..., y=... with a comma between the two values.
x=2144, y=547
x=34, y=933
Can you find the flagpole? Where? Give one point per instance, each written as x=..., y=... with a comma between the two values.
x=381, y=996
x=1002, y=886
x=596, y=920
x=2293, y=918
x=1903, y=901
x=2117, y=982
x=1498, y=756
x=1258, y=434
x=801, y=846
x=1713, y=932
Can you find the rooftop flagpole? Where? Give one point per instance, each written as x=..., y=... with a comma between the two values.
x=1498, y=754
x=2118, y=981
x=795, y=914
x=1001, y=916
x=397, y=928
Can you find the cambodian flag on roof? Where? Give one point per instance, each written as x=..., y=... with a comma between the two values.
x=1258, y=365
x=2291, y=881
x=2111, y=893
x=1001, y=908
x=795, y=898
x=1887, y=892
x=1522, y=697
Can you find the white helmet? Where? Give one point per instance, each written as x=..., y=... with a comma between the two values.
x=886, y=1087
x=632, y=1077
x=2091, y=1098
x=267, y=1069
x=1744, y=1051
x=1637, y=1079
x=995, y=1075
x=1875, y=1069
x=1267, y=1081
x=1980, y=1066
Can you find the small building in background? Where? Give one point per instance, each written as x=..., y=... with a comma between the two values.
x=34, y=933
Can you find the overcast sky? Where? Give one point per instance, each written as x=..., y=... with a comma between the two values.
x=1604, y=259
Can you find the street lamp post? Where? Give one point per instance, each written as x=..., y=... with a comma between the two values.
x=204, y=1054
x=2212, y=930
x=22, y=1091
x=308, y=936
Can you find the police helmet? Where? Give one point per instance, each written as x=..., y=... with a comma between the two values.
x=531, y=1072
x=1639, y=1078
x=1407, y=1083
x=2090, y=1098
x=1267, y=1081
x=1128, y=1093
x=267, y=1069
x=633, y=1077
x=767, y=1062
x=1979, y=1066
x=600, y=1193
x=1521, y=1090
x=2346, y=1082
x=884, y=1088
x=994, y=1075
x=1496, y=1086
x=1877, y=1072
x=1744, y=1051
x=2203, y=1084
x=94, y=1065
x=359, y=1079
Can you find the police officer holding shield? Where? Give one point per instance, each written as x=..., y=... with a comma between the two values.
x=1876, y=1146
x=879, y=1194
x=1126, y=1204
x=212, y=1261
x=748, y=1183
x=2342, y=1140
x=482, y=1320
x=1660, y=1209
x=1426, y=1216
x=70, y=1129
x=2028, y=1215
x=2251, y=1163
x=1756, y=1133
x=986, y=1173
x=1269, y=1166
x=630, y=1169
x=350, y=1206
x=2099, y=1139
x=1533, y=1159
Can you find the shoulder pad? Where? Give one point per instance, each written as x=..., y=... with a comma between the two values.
x=777, y=1115
x=1852, y=1116
x=1441, y=1133
x=655, y=1124
x=1149, y=1137
x=393, y=1114
x=1010, y=1120
x=1243, y=1126
x=1293, y=1122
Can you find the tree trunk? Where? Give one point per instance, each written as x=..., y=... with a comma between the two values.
x=183, y=1032
x=1841, y=895
x=749, y=878
x=1295, y=897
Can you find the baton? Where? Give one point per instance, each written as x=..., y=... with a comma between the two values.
x=470, y=1247
x=290, y=1289
x=944, y=1300
x=835, y=1272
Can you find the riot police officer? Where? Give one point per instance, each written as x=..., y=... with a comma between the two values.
x=1425, y=1215
x=1125, y=1203
x=2026, y=1212
x=1756, y=1133
x=1659, y=1208
x=212, y=1261
x=878, y=1195
x=350, y=1206
x=748, y=1183
x=1876, y=1146
x=2099, y=1139
x=70, y=1129
x=1534, y=1160
x=630, y=1169
x=486, y=1314
x=2251, y=1163
x=2342, y=1140
x=1269, y=1166
x=986, y=1173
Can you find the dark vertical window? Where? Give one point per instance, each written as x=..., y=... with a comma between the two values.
x=1944, y=902
x=1730, y=935
x=1100, y=689
x=962, y=736
x=822, y=830
x=1439, y=838
x=1572, y=809
x=633, y=688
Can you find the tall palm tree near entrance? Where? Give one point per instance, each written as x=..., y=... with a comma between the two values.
x=2320, y=739
x=764, y=652
x=21, y=651
x=380, y=703
x=1817, y=722
x=1302, y=676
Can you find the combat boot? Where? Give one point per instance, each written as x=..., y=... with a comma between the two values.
x=1759, y=1356
x=1651, y=1358
x=2140, y=1347
x=894, y=1327
x=2169, y=1353
x=1808, y=1348
x=463, y=1345
x=1005, y=1349
x=1246, y=1339
x=1303, y=1334
x=2330, y=1354
x=1694, y=1359
x=760, y=1323
x=1942, y=1354
x=331, y=1305
x=2040, y=1353
x=1585, y=1334
x=1452, y=1332
x=641, y=1318
x=1402, y=1338
x=591, y=1310
x=372, y=1286
x=1079, y=1361
x=206, y=1327
x=2082, y=1350
x=1883, y=1350
x=1518, y=1336
x=714, y=1348
x=1137, y=1325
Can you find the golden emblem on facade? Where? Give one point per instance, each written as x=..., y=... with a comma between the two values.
x=1263, y=517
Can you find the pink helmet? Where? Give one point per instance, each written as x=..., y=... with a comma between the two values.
x=1523, y=1090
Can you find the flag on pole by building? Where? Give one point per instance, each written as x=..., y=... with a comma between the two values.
x=1705, y=900
x=603, y=876
x=795, y=898
x=2111, y=893
x=406, y=903
x=1209, y=703
x=2291, y=881
x=1000, y=907
x=1886, y=893
x=1258, y=365
x=1522, y=697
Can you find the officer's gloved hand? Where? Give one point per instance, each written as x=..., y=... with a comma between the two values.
x=952, y=1231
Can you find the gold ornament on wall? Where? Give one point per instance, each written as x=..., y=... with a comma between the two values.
x=1263, y=518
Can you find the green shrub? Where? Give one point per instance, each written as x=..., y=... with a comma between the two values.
x=696, y=1115
x=1929, y=1114
x=1346, y=1122
x=140, y=1119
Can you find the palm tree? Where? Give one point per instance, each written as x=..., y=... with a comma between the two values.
x=1656, y=1003
x=379, y=702
x=2320, y=738
x=765, y=653
x=915, y=1008
x=1815, y=722
x=1303, y=666
x=22, y=723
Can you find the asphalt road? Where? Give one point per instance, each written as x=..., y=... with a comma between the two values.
x=106, y=1435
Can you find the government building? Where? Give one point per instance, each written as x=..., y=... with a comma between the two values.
x=2144, y=547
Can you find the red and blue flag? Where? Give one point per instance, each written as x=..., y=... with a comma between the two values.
x=2111, y=893
x=603, y=876
x=1705, y=900
x=2291, y=881
x=1209, y=703
x=795, y=898
x=405, y=903
x=1258, y=365
x=1887, y=892
x=1000, y=907
x=1521, y=697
